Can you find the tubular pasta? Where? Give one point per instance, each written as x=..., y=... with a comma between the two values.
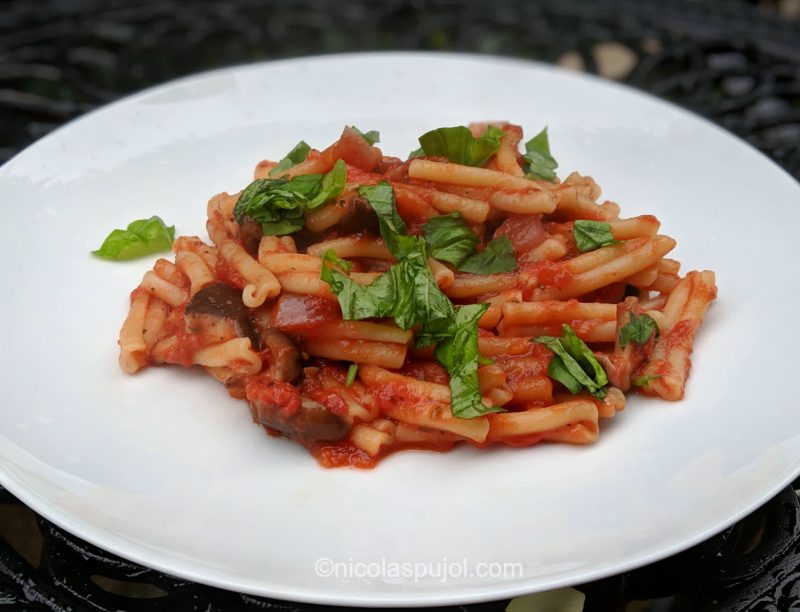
x=132, y=345
x=193, y=266
x=386, y=354
x=160, y=288
x=235, y=354
x=510, y=425
x=261, y=283
x=669, y=363
x=253, y=312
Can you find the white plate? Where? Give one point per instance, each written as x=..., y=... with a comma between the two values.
x=164, y=468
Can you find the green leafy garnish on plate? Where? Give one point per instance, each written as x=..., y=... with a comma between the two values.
x=141, y=237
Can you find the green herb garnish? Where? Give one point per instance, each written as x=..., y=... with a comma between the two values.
x=459, y=145
x=141, y=237
x=279, y=204
x=573, y=364
x=539, y=163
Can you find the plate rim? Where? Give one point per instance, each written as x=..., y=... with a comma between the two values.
x=146, y=556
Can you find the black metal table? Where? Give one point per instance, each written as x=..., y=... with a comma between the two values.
x=735, y=62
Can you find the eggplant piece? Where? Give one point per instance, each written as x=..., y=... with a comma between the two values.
x=250, y=233
x=218, y=313
x=360, y=218
x=284, y=357
x=279, y=406
x=308, y=425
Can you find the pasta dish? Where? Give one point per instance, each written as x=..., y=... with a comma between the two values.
x=363, y=304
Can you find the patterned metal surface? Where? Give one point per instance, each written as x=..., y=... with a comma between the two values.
x=732, y=62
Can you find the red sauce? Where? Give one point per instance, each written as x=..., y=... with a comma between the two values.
x=526, y=440
x=136, y=292
x=520, y=368
x=186, y=343
x=304, y=313
x=390, y=395
x=524, y=231
x=333, y=403
x=353, y=149
x=342, y=454
x=226, y=273
x=548, y=273
x=429, y=371
x=357, y=175
x=274, y=392
x=346, y=454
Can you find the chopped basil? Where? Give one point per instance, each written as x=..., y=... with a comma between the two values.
x=573, y=364
x=372, y=137
x=357, y=301
x=416, y=153
x=639, y=329
x=498, y=256
x=296, y=156
x=141, y=237
x=331, y=186
x=351, y=374
x=644, y=380
x=459, y=145
x=591, y=235
x=393, y=228
x=540, y=164
x=279, y=204
x=458, y=353
x=450, y=239
x=407, y=292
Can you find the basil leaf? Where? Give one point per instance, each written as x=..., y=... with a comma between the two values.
x=642, y=381
x=430, y=303
x=591, y=235
x=416, y=153
x=583, y=355
x=417, y=299
x=459, y=145
x=372, y=137
x=450, y=239
x=279, y=204
x=540, y=164
x=351, y=375
x=498, y=256
x=357, y=301
x=574, y=365
x=393, y=228
x=459, y=355
x=331, y=186
x=639, y=329
x=407, y=292
x=296, y=156
x=141, y=237
x=558, y=371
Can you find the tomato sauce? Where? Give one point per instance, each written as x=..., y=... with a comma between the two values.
x=304, y=313
x=342, y=454
x=226, y=273
x=347, y=454
x=429, y=371
x=524, y=231
x=275, y=393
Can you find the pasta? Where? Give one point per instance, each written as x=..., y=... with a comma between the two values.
x=362, y=304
